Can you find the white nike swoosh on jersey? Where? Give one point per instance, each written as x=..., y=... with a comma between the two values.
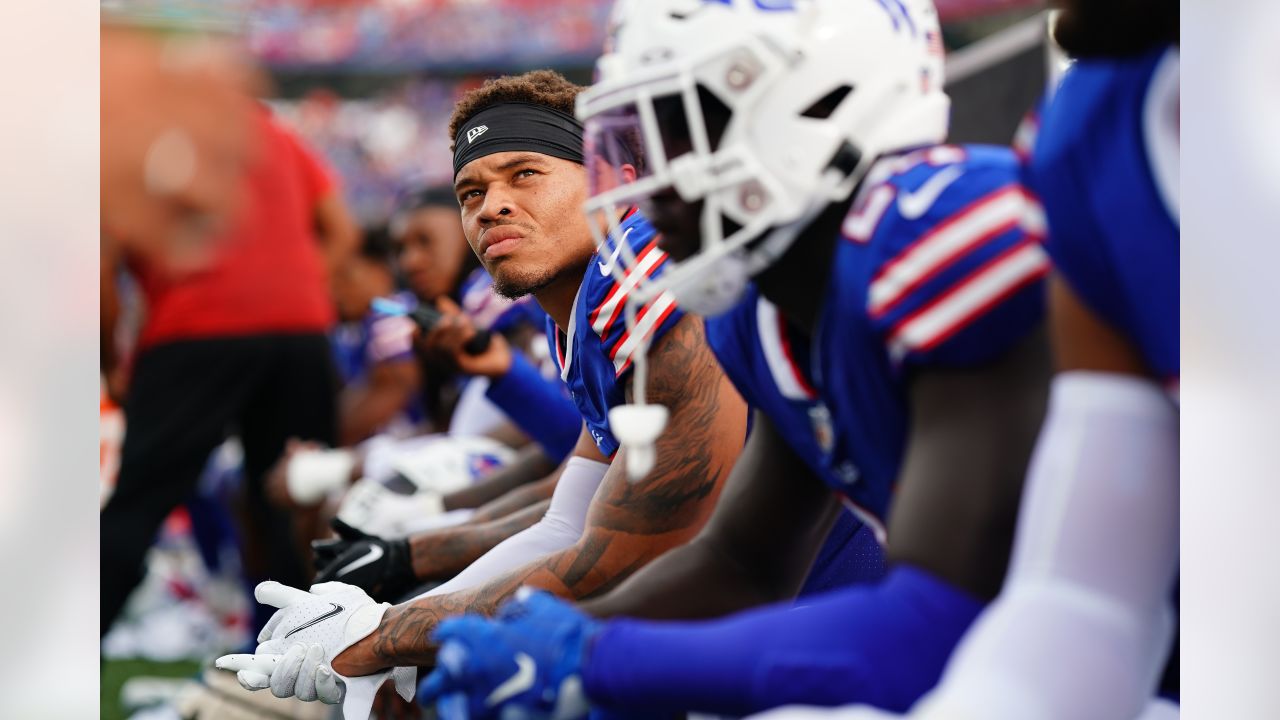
x=914, y=205
x=519, y=682
x=375, y=552
x=606, y=268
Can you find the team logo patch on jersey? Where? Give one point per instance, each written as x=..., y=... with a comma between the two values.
x=483, y=463
x=824, y=431
x=476, y=132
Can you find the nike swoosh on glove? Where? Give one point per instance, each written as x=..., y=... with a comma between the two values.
x=300, y=641
x=382, y=568
x=525, y=663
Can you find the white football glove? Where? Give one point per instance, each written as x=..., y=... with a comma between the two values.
x=374, y=509
x=313, y=474
x=304, y=636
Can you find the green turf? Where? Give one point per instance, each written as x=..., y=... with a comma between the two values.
x=116, y=672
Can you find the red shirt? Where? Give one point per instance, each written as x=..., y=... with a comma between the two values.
x=269, y=275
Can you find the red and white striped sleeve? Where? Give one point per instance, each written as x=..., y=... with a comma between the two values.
x=963, y=282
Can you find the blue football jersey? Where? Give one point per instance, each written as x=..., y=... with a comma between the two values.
x=1105, y=166
x=377, y=338
x=595, y=352
x=935, y=268
x=373, y=339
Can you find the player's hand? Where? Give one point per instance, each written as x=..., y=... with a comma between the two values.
x=374, y=508
x=307, y=473
x=382, y=568
x=527, y=662
x=298, y=644
x=450, y=336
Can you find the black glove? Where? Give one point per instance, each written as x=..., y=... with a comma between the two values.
x=382, y=568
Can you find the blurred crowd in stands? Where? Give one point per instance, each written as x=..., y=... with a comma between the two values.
x=412, y=35
x=381, y=144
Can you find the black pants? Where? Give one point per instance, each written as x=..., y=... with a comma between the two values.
x=184, y=399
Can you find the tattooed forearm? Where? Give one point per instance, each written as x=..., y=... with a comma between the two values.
x=704, y=434
x=628, y=524
x=441, y=554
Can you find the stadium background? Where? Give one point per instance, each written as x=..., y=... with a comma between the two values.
x=371, y=84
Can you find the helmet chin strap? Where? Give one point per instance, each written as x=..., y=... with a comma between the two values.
x=638, y=425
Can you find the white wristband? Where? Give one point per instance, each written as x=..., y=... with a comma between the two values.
x=312, y=474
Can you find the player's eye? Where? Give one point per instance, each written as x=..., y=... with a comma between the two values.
x=468, y=195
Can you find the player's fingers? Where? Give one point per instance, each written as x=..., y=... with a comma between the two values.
x=328, y=689
x=311, y=661
x=260, y=663
x=275, y=594
x=275, y=647
x=253, y=681
x=284, y=681
x=328, y=588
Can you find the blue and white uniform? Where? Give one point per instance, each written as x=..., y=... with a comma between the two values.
x=1105, y=165
x=376, y=339
x=1096, y=553
x=594, y=353
x=936, y=268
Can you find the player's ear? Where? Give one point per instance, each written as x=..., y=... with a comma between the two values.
x=628, y=173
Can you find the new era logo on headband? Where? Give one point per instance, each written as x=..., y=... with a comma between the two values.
x=475, y=132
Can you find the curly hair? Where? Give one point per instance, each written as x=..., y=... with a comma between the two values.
x=537, y=87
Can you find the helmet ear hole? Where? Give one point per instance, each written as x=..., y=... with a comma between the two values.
x=827, y=104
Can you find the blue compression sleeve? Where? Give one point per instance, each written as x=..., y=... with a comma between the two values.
x=538, y=406
x=883, y=645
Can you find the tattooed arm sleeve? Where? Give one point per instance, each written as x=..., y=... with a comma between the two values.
x=627, y=525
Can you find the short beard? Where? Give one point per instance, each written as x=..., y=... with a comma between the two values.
x=514, y=288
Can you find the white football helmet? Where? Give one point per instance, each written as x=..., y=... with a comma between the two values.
x=814, y=91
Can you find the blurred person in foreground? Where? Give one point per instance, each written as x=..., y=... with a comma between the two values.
x=178, y=131
x=521, y=183
x=238, y=346
x=1084, y=623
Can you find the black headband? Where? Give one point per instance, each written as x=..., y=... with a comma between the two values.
x=517, y=126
